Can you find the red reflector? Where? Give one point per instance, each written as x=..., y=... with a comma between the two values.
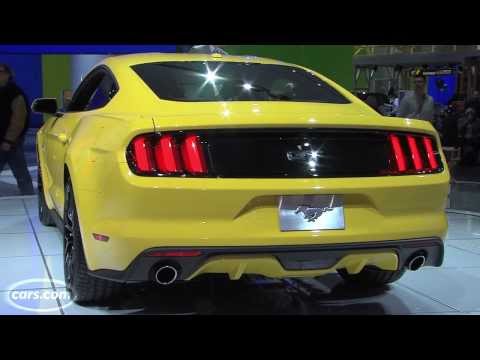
x=100, y=237
x=398, y=152
x=427, y=142
x=192, y=154
x=142, y=154
x=417, y=160
x=167, y=156
x=175, y=253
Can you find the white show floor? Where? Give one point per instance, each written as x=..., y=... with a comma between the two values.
x=29, y=250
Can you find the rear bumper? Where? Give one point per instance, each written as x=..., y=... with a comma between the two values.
x=140, y=213
x=281, y=261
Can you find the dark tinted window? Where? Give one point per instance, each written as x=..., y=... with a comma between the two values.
x=233, y=81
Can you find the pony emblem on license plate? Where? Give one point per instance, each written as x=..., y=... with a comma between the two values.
x=311, y=212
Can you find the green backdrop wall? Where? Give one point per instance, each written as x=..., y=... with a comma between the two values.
x=333, y=61
x=56, y=75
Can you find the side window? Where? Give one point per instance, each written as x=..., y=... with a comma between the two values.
x=94, y=92
x=102, y=94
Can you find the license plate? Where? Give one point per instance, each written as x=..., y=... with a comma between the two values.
x=311, y=212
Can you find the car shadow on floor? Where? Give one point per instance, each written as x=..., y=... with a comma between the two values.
x=217, y=295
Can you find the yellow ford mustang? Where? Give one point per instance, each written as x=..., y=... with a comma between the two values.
x=168, y=166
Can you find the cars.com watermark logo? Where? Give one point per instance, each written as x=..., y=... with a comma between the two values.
x=32, y=295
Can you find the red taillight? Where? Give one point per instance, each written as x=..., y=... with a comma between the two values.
x=416, y=158
x=413, y=154
x=192, y=154
x=398, y=153
x=151, y=154
x=143, y=154
x=427, y=142
x=191, y=253
x=167, y=155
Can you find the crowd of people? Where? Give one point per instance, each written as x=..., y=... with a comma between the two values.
x=458, y=123
x=459, y=127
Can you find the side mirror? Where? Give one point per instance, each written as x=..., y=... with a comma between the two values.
x=45, y=106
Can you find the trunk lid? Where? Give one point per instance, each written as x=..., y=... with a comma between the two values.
x=185, y=116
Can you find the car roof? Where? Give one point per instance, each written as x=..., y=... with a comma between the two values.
x=135, y=59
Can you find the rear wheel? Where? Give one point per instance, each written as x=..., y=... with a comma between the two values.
x=43, y=211
x=84, y=288
x=371, y=276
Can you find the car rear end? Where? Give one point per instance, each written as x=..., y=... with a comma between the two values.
x=280, y=189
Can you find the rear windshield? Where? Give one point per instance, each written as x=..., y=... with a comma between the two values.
x=235, y=81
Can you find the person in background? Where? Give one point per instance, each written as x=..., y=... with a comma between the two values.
x=474, y=102
x=371, y=100
x=469, y=130
x=418, y=104
x=449, y=125
x=14, y=121
x=395, y=106
x=394, y=101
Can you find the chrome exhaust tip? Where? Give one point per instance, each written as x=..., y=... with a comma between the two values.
x=166, y=275
x=416, y=262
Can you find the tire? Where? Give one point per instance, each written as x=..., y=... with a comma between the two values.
x=43, y=210
x=84, y=288
x=371, y=277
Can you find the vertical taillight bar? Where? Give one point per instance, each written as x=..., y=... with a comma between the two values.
x=416, y=157
x=143, y=154
x=167, y=155
x=398, y=153
x=432, y=160
x=192, y=155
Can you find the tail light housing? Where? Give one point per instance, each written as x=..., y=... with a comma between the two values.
x=143, y=154
x=431, y=154
x=192, y=155
x=398, y=153
x=413, y=154
x=283, y=153
x=170, y=154
x=167, y=155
